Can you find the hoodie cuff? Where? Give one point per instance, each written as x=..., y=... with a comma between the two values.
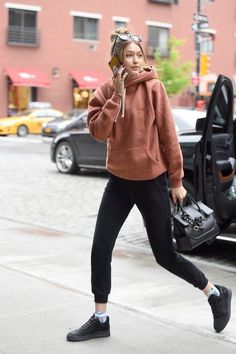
x=177, y=183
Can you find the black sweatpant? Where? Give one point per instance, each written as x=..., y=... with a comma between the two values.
x=151, y=198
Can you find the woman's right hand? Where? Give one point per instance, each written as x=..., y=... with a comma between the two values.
x=119, y=80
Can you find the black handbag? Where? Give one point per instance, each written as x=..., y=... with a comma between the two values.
x=194, y=224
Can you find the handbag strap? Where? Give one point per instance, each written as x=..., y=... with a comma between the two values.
x=192, y=200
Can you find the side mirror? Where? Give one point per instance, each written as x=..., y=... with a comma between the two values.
x=200, y=124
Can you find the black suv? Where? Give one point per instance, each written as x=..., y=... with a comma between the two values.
x=209, y=156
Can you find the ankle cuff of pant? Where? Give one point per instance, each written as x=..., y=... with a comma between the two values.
x=100, y=299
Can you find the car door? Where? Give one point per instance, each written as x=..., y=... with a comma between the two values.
x=90, y=153
x=214, y=163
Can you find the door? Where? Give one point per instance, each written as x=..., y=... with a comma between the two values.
x=214, y=163
x=90, y=152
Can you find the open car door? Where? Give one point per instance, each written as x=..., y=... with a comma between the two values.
x=214, y=162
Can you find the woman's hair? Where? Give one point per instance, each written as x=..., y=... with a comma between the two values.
x=118, y=45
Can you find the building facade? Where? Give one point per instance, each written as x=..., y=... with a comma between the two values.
x=58, y=52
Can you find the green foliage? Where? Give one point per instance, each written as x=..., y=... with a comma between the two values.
x=174, y=75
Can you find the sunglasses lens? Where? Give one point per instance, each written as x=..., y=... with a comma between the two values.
x=136, y=38
x=126, y=37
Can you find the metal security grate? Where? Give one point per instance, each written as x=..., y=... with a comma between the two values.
x=19, y=35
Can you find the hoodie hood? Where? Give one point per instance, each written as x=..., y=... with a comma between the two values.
x=148, y=73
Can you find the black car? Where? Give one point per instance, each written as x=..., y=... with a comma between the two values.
x=209, y=150
x=74, y=150
x=75, y=119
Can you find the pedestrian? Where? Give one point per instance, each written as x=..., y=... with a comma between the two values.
x=132, y=113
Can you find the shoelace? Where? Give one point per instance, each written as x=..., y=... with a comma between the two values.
x=88, y=323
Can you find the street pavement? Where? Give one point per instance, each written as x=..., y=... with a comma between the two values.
x=45, y=292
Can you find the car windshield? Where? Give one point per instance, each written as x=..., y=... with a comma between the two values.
x=23, y=113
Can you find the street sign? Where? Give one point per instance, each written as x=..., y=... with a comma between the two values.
x=200, y=18
x=203, y=25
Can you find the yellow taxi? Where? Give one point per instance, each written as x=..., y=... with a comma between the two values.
x=29, y=121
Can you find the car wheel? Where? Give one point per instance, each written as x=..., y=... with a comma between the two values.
x=65, y=158
x=22, y=130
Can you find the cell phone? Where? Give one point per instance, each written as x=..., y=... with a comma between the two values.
x=114, y=64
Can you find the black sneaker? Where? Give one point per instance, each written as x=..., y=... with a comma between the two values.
x=221, y=307
x=93, y=328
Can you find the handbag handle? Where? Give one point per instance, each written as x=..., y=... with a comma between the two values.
x=188, y=196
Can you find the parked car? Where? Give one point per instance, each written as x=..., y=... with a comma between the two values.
x=28, y=122
x=79, y=150
x=208, y=146
x=185, y=120
x=75, y=119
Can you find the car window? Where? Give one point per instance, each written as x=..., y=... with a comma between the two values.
x=222, y=107
x=24, y=113
x=40, y=114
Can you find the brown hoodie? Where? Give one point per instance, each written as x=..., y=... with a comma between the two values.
x=143, y=144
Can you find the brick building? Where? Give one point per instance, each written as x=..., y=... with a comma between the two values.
x=57, y=51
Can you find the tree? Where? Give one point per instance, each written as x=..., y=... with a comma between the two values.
x=174, y=75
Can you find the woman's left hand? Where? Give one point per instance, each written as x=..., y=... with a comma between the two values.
x=178, y=194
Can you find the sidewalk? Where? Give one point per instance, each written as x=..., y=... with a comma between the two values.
x=45, y=291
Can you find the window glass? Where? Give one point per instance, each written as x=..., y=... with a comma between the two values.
x=40, y=114
x=22, y=27
x=207, y=44
x=222, y=107
x=158, y=38
x=15, y=17
x=30, y=19
x=85, y=28
x=22, y=18
x=120, y=24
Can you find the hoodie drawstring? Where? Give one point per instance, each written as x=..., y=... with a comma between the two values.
x=123, y=104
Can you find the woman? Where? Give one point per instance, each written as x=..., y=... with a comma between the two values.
x=132, y=113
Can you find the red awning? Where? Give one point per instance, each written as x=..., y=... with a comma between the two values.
x=87, y=79
x=27, y=77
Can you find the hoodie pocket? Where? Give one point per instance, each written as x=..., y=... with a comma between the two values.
x=136, y=160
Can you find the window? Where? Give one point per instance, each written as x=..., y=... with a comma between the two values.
x=207, y=44
x=120, y=24
x=120, y=21
x=22, y=27
x=157, y=40
x=85, y=28
x=85, y=25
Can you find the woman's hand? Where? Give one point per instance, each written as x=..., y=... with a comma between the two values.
x=178, y=194
x=119, y=80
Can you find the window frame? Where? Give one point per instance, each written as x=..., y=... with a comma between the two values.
x=22, y=34
x=85, y=16
x=153, y=47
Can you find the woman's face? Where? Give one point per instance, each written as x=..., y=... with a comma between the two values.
x=133, y=59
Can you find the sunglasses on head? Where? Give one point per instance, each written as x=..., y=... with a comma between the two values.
x=129, y=36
